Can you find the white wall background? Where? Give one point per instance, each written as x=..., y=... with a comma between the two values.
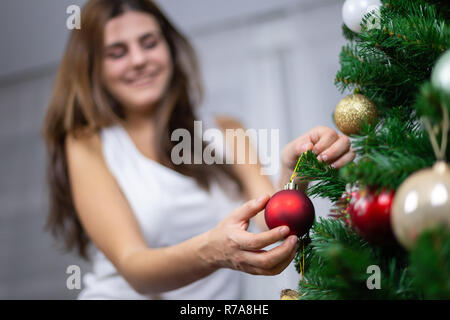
x=271, y=63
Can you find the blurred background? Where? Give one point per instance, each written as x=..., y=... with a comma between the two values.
x=270, y=63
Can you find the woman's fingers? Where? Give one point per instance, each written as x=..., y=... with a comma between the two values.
x=294, y=149
x=274, y=258
x=252, y=241
x=246, y=254
x=283, y=264
x=325, y=141
x=249, y=209
x=336, y=150
x=346, y=158
x=276, y=269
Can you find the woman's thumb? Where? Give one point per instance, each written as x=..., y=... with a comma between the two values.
x=250, y=208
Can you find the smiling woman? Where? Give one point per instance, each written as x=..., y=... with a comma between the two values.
x=127, y=80
x=137, y=65
x=161, y=230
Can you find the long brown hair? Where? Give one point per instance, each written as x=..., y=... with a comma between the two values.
x=80, y=101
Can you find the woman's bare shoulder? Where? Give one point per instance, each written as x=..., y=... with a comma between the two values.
x=83, y=141
x=228, y=122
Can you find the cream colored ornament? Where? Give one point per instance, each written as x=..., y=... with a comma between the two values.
x=352, y=110
x=422, y=202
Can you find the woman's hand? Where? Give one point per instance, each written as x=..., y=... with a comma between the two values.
x=326, y=143
x=230, y=245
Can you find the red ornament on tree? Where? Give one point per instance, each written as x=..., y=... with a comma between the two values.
x=291, y=208
x=341, y=208
x=370, y=215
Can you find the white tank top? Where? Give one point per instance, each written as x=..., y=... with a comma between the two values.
x=170, y=208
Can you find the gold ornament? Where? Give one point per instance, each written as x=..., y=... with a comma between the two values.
x=288, y=294
x=352, y=110
x=422, y=202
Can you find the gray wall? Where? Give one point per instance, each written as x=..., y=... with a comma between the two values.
x=270, y=63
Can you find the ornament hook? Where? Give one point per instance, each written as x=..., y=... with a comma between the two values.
x=291, y=185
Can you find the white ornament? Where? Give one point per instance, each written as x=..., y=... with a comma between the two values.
x=354, y=11
x=440, y=76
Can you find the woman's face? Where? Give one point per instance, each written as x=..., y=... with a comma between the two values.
x=137, y=65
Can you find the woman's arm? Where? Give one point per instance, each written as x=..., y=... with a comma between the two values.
x=331, y=147
x=110, y=223
x=254, y=183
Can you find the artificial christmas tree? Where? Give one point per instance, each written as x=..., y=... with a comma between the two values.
x=399, y=60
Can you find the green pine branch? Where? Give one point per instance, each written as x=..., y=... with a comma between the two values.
x=389, y=152
x=348, y=34
x=381, y=81
x=402, y=6
x=328, y=183
x=430, y=101
x=430, y=264
x=336, y=263
x=388, y=63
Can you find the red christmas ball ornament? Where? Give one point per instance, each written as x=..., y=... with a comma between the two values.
x=341, y=208
x=370, y=215
x=292, y=208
